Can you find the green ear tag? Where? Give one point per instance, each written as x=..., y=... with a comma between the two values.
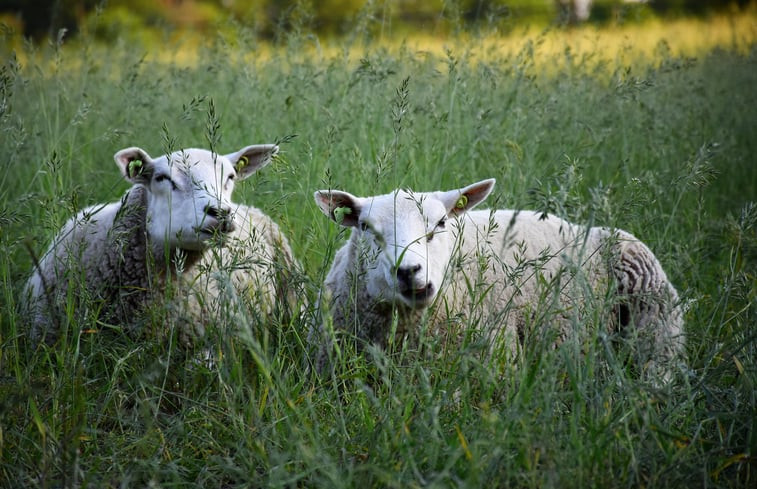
x=243, y=161
x=135, y=168
x=340, y=212
x=461, y=202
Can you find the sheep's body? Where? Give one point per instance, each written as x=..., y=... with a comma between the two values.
x=256, y=260
x=100, y=248
x=116, y=258
x=500, y=270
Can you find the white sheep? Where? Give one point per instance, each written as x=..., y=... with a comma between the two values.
x=112, y=260
x=415, y=257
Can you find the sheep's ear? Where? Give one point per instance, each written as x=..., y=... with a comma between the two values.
x=464, y=199
x=135, y=164
x=248, y=160
x=341, y=207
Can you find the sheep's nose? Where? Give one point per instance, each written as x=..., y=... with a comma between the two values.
x=223, y=216
x=405, y=274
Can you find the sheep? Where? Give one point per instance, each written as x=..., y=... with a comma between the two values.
x=414, y=257
x=176, y=220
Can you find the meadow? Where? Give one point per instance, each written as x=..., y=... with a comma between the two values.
x=657, y=139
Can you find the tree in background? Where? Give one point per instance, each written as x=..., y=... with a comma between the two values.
x=41, y=18
x=269, y=18
x=695, y=7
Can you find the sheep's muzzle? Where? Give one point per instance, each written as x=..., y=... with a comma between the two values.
x=418, y=296
x=219, y=220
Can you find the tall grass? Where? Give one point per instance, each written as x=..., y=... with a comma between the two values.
x=664, y=149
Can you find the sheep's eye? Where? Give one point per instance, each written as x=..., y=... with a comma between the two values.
x=439, y=225
x=229, y=180
x=163, y=177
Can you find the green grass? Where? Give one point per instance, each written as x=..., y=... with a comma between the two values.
x=665, y=150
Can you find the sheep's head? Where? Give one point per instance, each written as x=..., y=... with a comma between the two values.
x=404, y=236
x=189, y=191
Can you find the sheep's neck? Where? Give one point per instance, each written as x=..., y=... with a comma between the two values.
x=177, y=259
x=125, y=265
x=134, y=267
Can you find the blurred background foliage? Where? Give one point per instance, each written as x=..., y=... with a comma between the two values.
x=105, y=19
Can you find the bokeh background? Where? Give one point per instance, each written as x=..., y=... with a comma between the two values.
x=268, y=18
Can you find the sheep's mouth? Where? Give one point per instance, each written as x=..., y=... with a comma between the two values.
x=207, y=231
x=419, y=296
x=211, y=237
x=215, y=229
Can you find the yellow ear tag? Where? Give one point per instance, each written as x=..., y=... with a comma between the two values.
x=243, y=161
x=461, y=202
x=135, y=168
